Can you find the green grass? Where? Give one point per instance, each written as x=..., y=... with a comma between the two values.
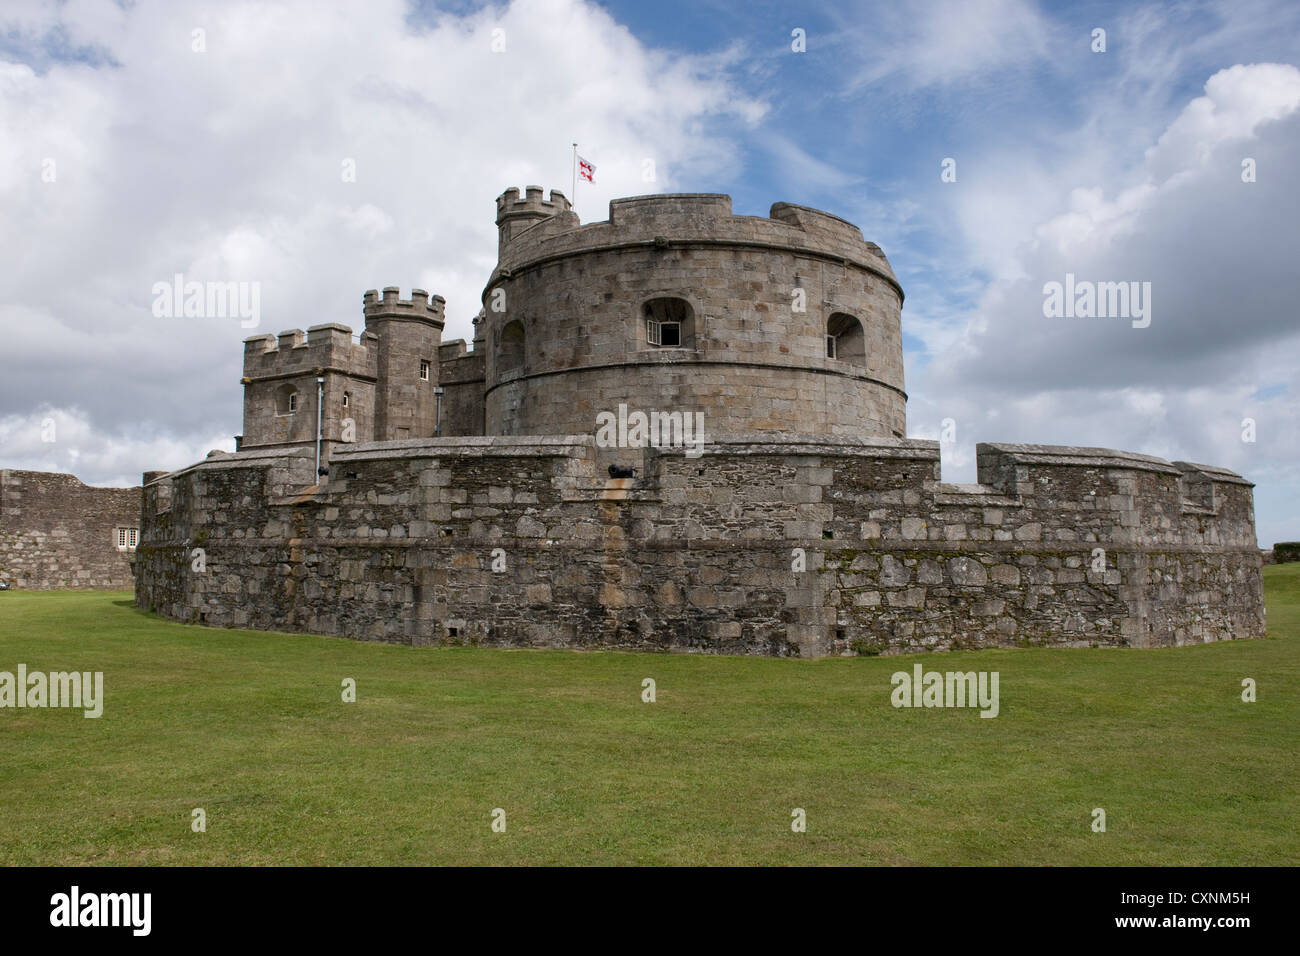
x=250, y=726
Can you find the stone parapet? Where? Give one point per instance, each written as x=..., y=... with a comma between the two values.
x=778, y=544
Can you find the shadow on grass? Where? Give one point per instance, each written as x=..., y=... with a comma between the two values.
x=130, y=605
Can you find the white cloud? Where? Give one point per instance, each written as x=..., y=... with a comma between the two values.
x=934, y=43
x=227, y=165
x=1237, y=100
x=1219, y=254
x=67, y=440
x=803, y=171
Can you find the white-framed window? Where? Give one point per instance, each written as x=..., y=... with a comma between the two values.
x=669, y=323
x=347, y=399
x=286, y=400
x=127, y=538
x=424, y=370
x=667, y=334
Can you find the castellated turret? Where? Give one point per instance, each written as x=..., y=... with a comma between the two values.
x=378, y=389
x=408, y=335
x=514, y=215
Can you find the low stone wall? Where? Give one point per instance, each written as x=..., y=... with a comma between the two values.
x=774, y=544
x=56, y=532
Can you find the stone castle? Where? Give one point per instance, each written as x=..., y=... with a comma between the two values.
x=400, y=488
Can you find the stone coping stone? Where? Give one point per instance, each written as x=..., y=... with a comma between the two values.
x=767, y=443
x=1074, y=455
x=947, y=493
x=789, y=443
x=478, y=446
x=15, y=476
x=1215, y=473
x=255, y=458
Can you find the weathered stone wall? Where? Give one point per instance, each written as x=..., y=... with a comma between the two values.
x=408, y=333
x=756, y=359
x=461, y=375
x=1055, y=546
x=372, y=389
x=292, y=359
x=56, y=532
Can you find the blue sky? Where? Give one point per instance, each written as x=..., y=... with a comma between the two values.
x=224, y=163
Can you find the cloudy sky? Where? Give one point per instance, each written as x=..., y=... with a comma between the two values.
x=321, y=149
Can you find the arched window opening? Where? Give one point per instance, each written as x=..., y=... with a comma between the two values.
x=286, y=400
x=669, y=323
x=845, y=340
x=510, y=355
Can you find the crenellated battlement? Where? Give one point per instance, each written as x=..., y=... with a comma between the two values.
x=509, y=203
x=815, y=221
x=689, y=206
x=390, y=305
x=516, y=215
x=328, y=345
x=680, y=220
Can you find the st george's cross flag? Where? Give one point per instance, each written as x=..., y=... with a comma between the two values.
x=586, y=170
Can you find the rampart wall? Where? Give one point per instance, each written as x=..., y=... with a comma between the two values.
x=56, y=532
x=767, y=544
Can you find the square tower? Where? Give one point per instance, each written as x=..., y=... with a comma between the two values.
x=407, y=336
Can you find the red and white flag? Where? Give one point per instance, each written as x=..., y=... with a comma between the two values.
x=586, y=170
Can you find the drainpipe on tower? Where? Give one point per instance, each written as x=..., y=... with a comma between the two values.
x=320, y=412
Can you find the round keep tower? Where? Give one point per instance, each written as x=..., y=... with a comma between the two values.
x=789, y=323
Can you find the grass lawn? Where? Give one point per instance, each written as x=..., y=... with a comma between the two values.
x=250, y=726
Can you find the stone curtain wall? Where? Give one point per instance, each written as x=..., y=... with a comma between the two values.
x=697, y=554
x=460, y=373
x=56, y=532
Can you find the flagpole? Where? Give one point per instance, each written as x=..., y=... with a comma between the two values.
x=573, y=192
